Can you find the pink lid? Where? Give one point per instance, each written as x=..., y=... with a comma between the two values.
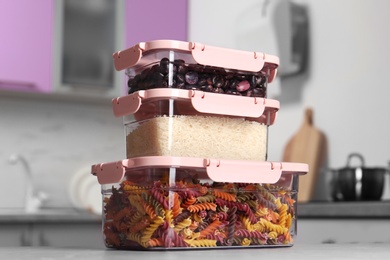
x=217, y=170
x=202, y=54
x=203, y=102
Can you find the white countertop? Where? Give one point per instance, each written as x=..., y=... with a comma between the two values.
x=375, y=251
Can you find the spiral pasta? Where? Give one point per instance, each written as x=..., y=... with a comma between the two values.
x=136, y=237
x=273, y=227
x=210, y=228
x=134, y=200
x=135, y=218
x=188, y=202
x=158, y=195
x=206, y=198
x=182, y=216
x=283, y=215
x=260, y=212
x=250, y=234
x=231, y=226
x=149, y=210
x=202, y=243
x=171, y=238
x=191, y=214
x=158, y=209
x=183, y=224
x=148, y=232
x=168, y=216
x=134, y=189
x=111, y=237
x=202, y=206
x=244, y=197
x=224, y=195
x=245, y=242
x=141, y=225
x=176, y=209
x=153, y=242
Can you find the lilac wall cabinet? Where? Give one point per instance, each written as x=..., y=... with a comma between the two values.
x=26, y=45
x=66, y=47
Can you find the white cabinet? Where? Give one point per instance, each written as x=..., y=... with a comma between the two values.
x=86, y=33
x=14, y=235
x=344, y=222
x=78, y=235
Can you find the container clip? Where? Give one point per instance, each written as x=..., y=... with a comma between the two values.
x=108, y=172
x=249, y=172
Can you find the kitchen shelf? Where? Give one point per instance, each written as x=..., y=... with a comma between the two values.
x=343, y=209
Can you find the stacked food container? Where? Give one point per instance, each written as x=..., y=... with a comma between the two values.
x=196, y=174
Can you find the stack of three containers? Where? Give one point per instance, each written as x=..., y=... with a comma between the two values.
x=196, y=175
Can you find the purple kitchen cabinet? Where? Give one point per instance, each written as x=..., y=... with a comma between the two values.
x=26, y=45
x=149, y=20
x=27, y=42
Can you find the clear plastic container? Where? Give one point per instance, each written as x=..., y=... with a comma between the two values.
x=156, y=203
x=192, y=123
x=190, y=65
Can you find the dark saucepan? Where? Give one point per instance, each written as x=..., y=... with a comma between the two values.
x=358, y=183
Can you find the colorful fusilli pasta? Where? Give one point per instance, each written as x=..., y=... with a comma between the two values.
x=191, y=214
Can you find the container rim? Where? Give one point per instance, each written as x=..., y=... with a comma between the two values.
x=217, y=169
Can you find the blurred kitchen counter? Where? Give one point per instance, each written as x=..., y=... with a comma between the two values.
x=298, y=251
x=51, y=215
x=50, y=227
x=318, y=223
x=343, y=209
x=82, y=97
x=344, y=222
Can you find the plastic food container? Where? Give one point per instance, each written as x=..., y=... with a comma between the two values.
x=190, y=65
x=180, y=203
x=193, y=123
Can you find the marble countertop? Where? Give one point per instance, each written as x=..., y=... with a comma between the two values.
x=376, y=251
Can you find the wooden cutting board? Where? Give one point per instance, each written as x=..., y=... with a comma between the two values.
x=307, y=145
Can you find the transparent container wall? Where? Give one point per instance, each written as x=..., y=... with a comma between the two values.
x=174, y=128
x=180, y=208
x=175, y=69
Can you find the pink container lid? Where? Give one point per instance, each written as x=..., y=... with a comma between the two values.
x=217, y=170
x=202, y=54
x=203, y=102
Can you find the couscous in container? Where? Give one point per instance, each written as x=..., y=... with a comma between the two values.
x=191, y=65
x=194, y=123
x=159, y=203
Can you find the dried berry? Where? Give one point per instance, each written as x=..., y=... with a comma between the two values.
x=191, y=77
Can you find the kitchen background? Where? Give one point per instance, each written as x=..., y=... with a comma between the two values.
x=61, y=130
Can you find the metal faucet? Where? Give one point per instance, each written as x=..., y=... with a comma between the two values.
x=33, y=199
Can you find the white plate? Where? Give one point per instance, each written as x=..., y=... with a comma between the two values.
x=85, y=191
